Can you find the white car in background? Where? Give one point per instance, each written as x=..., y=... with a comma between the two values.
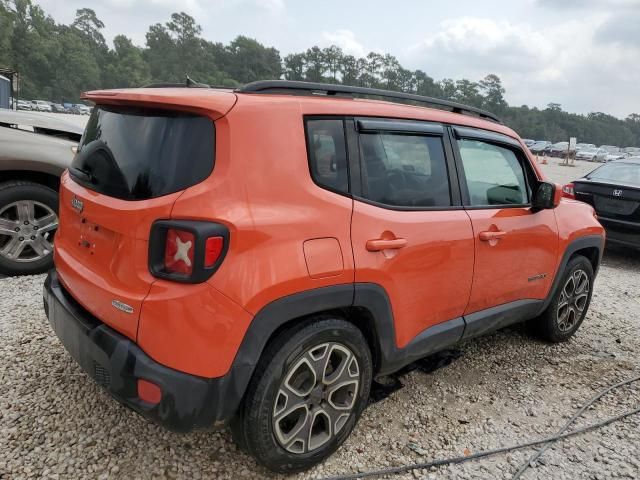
x=41, y=106
x=592, y=154
x=615, y=156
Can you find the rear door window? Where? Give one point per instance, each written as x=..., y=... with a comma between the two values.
x=402, y=170
x=140, y=153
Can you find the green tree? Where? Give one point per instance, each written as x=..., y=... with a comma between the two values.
x=251, y=61
x=491, y=87
x=315, y=63
x=126, y=67
x=294, y=66
x=333, y=59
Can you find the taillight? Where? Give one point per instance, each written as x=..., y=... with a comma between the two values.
x=568, y=191
x=212, y=250
x=178, y=251
x=185, y=250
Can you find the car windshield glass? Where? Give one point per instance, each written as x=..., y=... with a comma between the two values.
x=628, y=173
x=139, y=153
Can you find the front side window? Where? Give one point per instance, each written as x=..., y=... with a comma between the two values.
x=494, y=175
x=404, y=170
x=328, y=154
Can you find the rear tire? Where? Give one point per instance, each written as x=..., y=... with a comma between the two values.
x=307, y=393
x=28, y=211
x=570, y=303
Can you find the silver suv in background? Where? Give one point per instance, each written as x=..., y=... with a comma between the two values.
x=34, y=151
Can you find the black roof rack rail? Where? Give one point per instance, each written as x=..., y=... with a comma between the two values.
x=309, y=88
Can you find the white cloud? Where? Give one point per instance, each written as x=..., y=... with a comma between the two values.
x=538, y=64
x=273, y=6
x=346, y=40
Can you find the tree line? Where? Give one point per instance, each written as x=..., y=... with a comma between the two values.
x=56, y=62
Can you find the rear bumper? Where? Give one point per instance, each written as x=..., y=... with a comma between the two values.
x=116, y=363
x=621, y=232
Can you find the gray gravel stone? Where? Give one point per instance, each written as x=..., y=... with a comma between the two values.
x=57, y=423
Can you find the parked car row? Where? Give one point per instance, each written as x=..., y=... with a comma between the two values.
x=582, y=151
x=45, y=106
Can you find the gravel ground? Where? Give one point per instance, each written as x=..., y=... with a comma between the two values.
x=504, y=389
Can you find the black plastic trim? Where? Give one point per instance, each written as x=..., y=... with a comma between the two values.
x=353, y=155
x=289, y=87
x=495, y=318
x=398, y=126
x=479, y=134
x=588, y=241
x=116, y=363
x=201, y=231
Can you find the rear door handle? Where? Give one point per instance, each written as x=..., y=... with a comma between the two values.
x=382, y=244
x=487, y=236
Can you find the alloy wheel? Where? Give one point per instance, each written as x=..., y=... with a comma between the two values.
x=316, y=397
x=27, y=228
x=573, y=300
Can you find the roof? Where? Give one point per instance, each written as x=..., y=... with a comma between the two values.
x=221, y=101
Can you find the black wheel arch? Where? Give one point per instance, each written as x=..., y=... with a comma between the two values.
x=368, y=306
x=45, y=179
x=589, y=246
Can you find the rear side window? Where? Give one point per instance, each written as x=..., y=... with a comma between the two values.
x=494, y=175
x=404, y=170
x=328, y=154
x=137, y=154
x=628, y=173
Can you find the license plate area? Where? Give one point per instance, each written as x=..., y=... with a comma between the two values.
x=612, y=205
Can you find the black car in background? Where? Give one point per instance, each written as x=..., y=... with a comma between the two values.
x=539, y=147
x=614, y=191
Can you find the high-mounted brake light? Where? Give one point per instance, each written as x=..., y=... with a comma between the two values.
x=568, y=191
x=187, y=251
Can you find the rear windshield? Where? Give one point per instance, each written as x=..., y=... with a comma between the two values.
x=139, y=153
x=628, y=173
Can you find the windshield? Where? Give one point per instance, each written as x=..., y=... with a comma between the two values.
x=628, y=173
x=140, y=153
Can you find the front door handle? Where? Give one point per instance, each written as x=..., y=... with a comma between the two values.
x=488, y=236
x=382, y=244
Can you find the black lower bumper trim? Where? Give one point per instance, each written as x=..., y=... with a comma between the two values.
x=116, y=363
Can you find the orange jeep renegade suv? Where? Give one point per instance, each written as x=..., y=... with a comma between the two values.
x=258, y=256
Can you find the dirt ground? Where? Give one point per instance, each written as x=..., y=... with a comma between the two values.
x=503, y=389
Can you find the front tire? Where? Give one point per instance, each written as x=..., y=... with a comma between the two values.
x=306, y=395
x=570, y=303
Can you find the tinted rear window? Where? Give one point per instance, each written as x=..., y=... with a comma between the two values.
x=136, y=154
x=628, y=173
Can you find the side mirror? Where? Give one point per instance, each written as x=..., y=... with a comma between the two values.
x=547, y=196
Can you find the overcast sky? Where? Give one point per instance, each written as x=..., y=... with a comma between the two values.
x=583, y=54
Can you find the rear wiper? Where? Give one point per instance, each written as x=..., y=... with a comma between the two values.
x=82, y=174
